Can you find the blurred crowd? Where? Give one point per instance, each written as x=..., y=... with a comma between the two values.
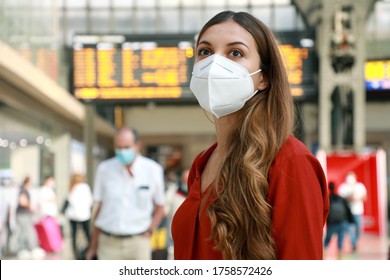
x=26, y=208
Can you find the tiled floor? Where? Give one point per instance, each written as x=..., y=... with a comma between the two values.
x=371, y=247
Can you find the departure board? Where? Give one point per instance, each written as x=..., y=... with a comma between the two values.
x=159, y=67
x=298, y=52
x=377, y=75
x=125, y=67
x=295, y=57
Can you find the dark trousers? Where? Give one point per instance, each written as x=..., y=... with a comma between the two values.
x=74, y=226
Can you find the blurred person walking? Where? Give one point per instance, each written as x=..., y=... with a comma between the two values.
x=25, y=233
x=129, y=198
x=4, y=218
x=47, y=200
x=339, y=217
x=78, y=211
x=355, y=193
x=9, y=192
x=48, y=228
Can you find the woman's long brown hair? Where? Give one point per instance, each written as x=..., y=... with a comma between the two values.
x=240, y=215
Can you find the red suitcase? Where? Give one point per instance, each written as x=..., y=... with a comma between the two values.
x=49, y=235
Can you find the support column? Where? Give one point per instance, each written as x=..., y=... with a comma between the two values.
x=332, y=76
x=325, y=77
x=89, y=140
x=358, y=78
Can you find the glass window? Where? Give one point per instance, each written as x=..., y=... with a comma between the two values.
x=76, y=21
x=41, y=3
x=170, y=21
x=263, y=14
x=382, y=10
x=170, y=3
x=285, y=18
x=216, y=3
x=15, y=24
x=191, y=3
x=122, y=3
x=41, y=22
x=282, y=2
x=99, y=3
x=237, y=2
x=145, y=3
x=14, y=4
x=261, y=2
x=100, y=21
x=192, y=20
x=146, y=21
x=123, y=21
x=210, y=12
x=75, y=3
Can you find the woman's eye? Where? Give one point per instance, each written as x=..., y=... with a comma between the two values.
x=236, y=53
x=204, y=52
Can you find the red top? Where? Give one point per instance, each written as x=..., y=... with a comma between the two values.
x=298, y=196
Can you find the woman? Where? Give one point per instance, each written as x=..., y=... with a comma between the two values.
x=257, y=193
x=78, y=211
x=28, y=243
x=48, y=199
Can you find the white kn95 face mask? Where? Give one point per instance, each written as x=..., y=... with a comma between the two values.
x=221, y=85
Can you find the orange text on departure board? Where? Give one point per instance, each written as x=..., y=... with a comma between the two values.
x=107, y=68
x=84, y=67
x=294, y=58
x=164, y=66
x=113, y=72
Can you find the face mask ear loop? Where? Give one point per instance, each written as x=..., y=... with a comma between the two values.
x=257, y=71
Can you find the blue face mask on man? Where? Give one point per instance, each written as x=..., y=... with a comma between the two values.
x=126, y=156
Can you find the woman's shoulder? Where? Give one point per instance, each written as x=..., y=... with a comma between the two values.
x=292, y=148
x=295, y=152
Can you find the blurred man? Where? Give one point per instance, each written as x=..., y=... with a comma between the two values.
x=129, y=198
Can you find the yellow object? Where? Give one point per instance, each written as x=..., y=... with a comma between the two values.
x=159, y=239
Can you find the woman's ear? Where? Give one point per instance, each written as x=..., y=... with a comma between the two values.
x=263, y=84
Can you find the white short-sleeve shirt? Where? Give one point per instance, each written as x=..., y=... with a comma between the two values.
x=80, y=203
x=47, y=201
x=358, y=190
x=127, y=202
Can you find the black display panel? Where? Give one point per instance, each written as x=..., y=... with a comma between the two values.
x=158, y=67
x=128, y=67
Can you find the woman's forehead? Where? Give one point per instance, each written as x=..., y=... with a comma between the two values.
x=226, y=33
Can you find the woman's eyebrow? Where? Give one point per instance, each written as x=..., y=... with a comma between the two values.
x=238, y=43
x=204, y=42
x=230, y=44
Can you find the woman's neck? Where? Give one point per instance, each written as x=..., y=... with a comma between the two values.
x=223, y=127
